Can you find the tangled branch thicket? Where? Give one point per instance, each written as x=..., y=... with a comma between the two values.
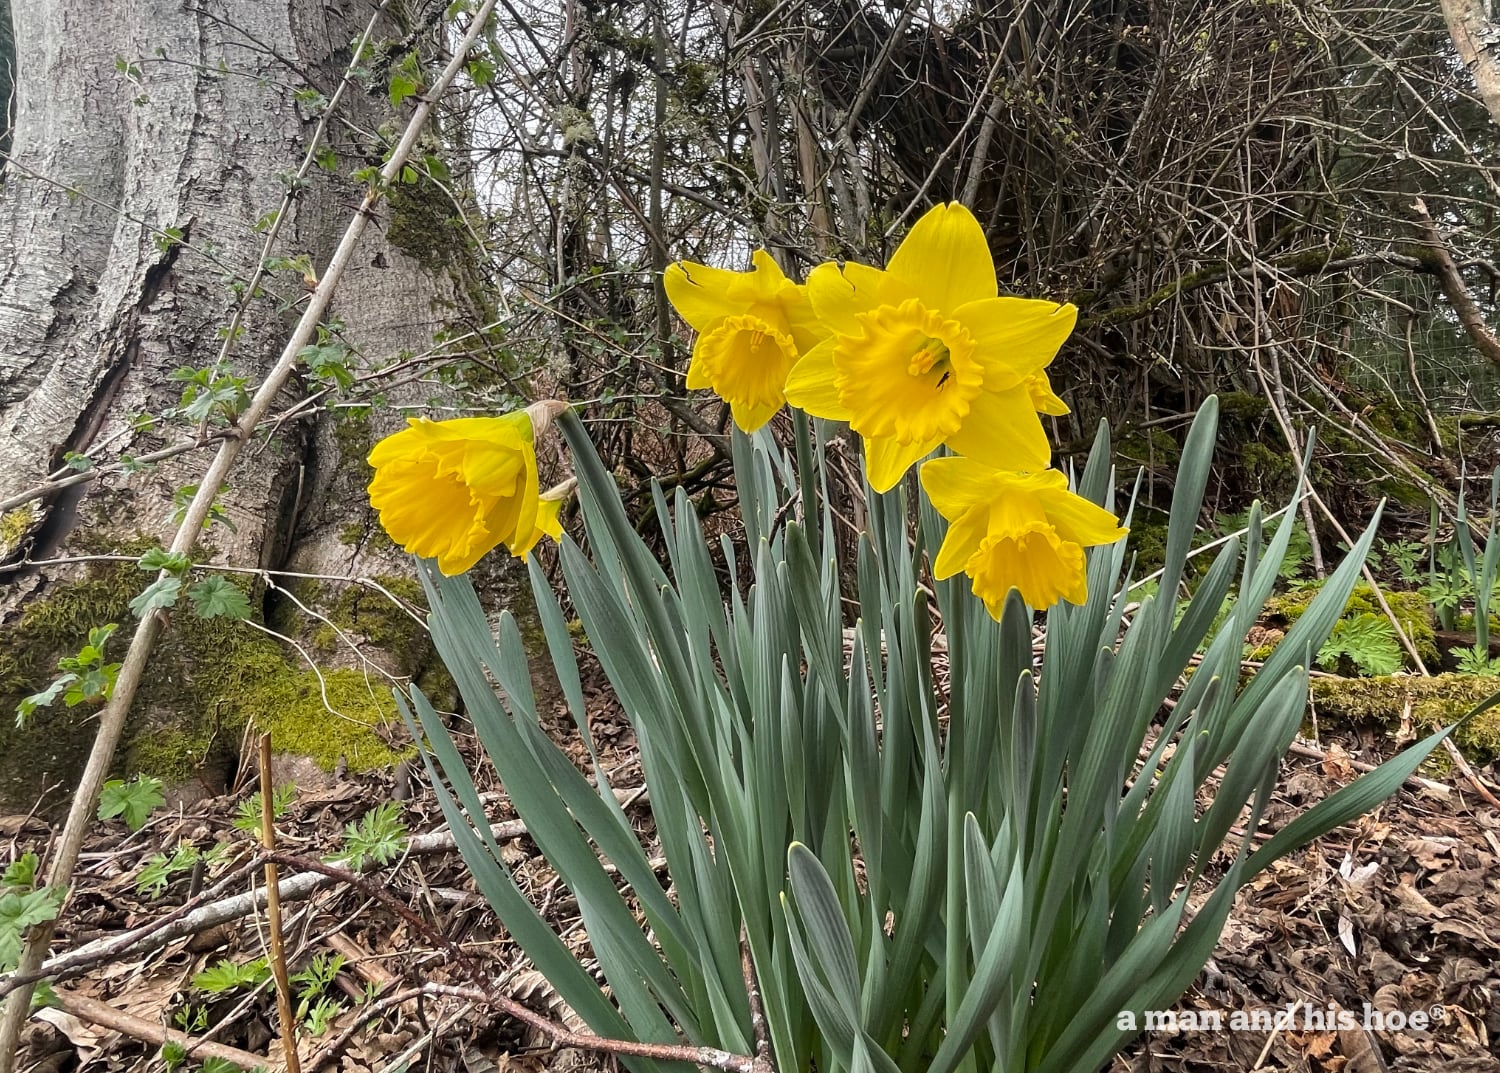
x=1250, y=196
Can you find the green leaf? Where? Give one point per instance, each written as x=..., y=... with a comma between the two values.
x=218, y=597
x=18, y=912
x=225, y=976
x=161, y=559
x=378, y=835
x=132, y=801
x=29, y=705
x=20, y=874
x=159, y=595
x=1369, y=642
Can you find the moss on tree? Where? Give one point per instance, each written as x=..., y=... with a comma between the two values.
x=206, y=681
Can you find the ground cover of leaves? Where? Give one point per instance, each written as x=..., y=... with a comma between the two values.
x=1400, y=911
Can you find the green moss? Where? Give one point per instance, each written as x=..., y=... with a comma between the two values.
x=1449, y=430
x=1148, y=538
x=353, y=534
x=352, y=433
x=1411, y=609
x=1149, y=446
x=1393, y=420
x=368, y=616
x=338, y=717
x=14, y=527
x=206, y=680
x=1430, y=702
x=1270, y=469
x=1242, y=409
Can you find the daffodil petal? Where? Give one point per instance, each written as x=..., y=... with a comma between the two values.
x=1043, y=399
x=1002, y=430
x=704, y=295
x=812, y=384
x=549, y=518
x=751, y=415
x=1015, y=338
x=946, y=259
x=887, y=460
x=1081, y=521
x=962, y=541
x=955, y=484
x=491, y=469
x=838, y=294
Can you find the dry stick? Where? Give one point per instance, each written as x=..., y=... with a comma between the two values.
x=193, y=916
x=1449, y=746
x=711, y=1057
x=106, y=1016
x=112, y=719
x=273, y=913
x=365, y=1014
x=559, y=1035
x=200, y=914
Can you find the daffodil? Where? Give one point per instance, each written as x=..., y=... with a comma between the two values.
x=1023, y=531
x=926, y=352
x=752, y=327
x=549, y=512
x=453, y=490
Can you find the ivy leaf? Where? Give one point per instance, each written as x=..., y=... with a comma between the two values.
x=218, y=597
x=132, y=801
x=29, y=705
x=161, y=593
x=161, y=559
x=19, y=912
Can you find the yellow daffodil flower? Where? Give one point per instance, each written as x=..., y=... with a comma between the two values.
x=752, y=327
x=1015, y=531
x=926, y=352
x=453, y=490
x=549, y=512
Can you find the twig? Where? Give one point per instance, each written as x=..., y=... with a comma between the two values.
x=201, y=914
x=112, y=719
x=711, y=1057
x=366, y=1014
x=273, y=912
x=758, y=1028
x=186, y=919
x=106, y=1016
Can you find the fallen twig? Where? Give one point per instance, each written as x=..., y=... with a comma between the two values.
x=201, y=913
x=106, y=1016
x=711, y=1057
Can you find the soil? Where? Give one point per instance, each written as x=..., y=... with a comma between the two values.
x=1396, y=914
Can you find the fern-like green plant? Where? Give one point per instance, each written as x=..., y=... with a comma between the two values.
x=1366, y=640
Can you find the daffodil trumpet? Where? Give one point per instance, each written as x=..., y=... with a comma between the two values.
x=454, y=490
x=1023, y=531
x=926, y=352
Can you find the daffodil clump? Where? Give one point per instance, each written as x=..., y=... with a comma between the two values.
x=856, y=865
x=921, y=355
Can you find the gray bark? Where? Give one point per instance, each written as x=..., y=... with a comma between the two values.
x=95, y=314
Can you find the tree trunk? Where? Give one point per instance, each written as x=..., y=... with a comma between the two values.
x=1475, y=38
x=149, y=140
